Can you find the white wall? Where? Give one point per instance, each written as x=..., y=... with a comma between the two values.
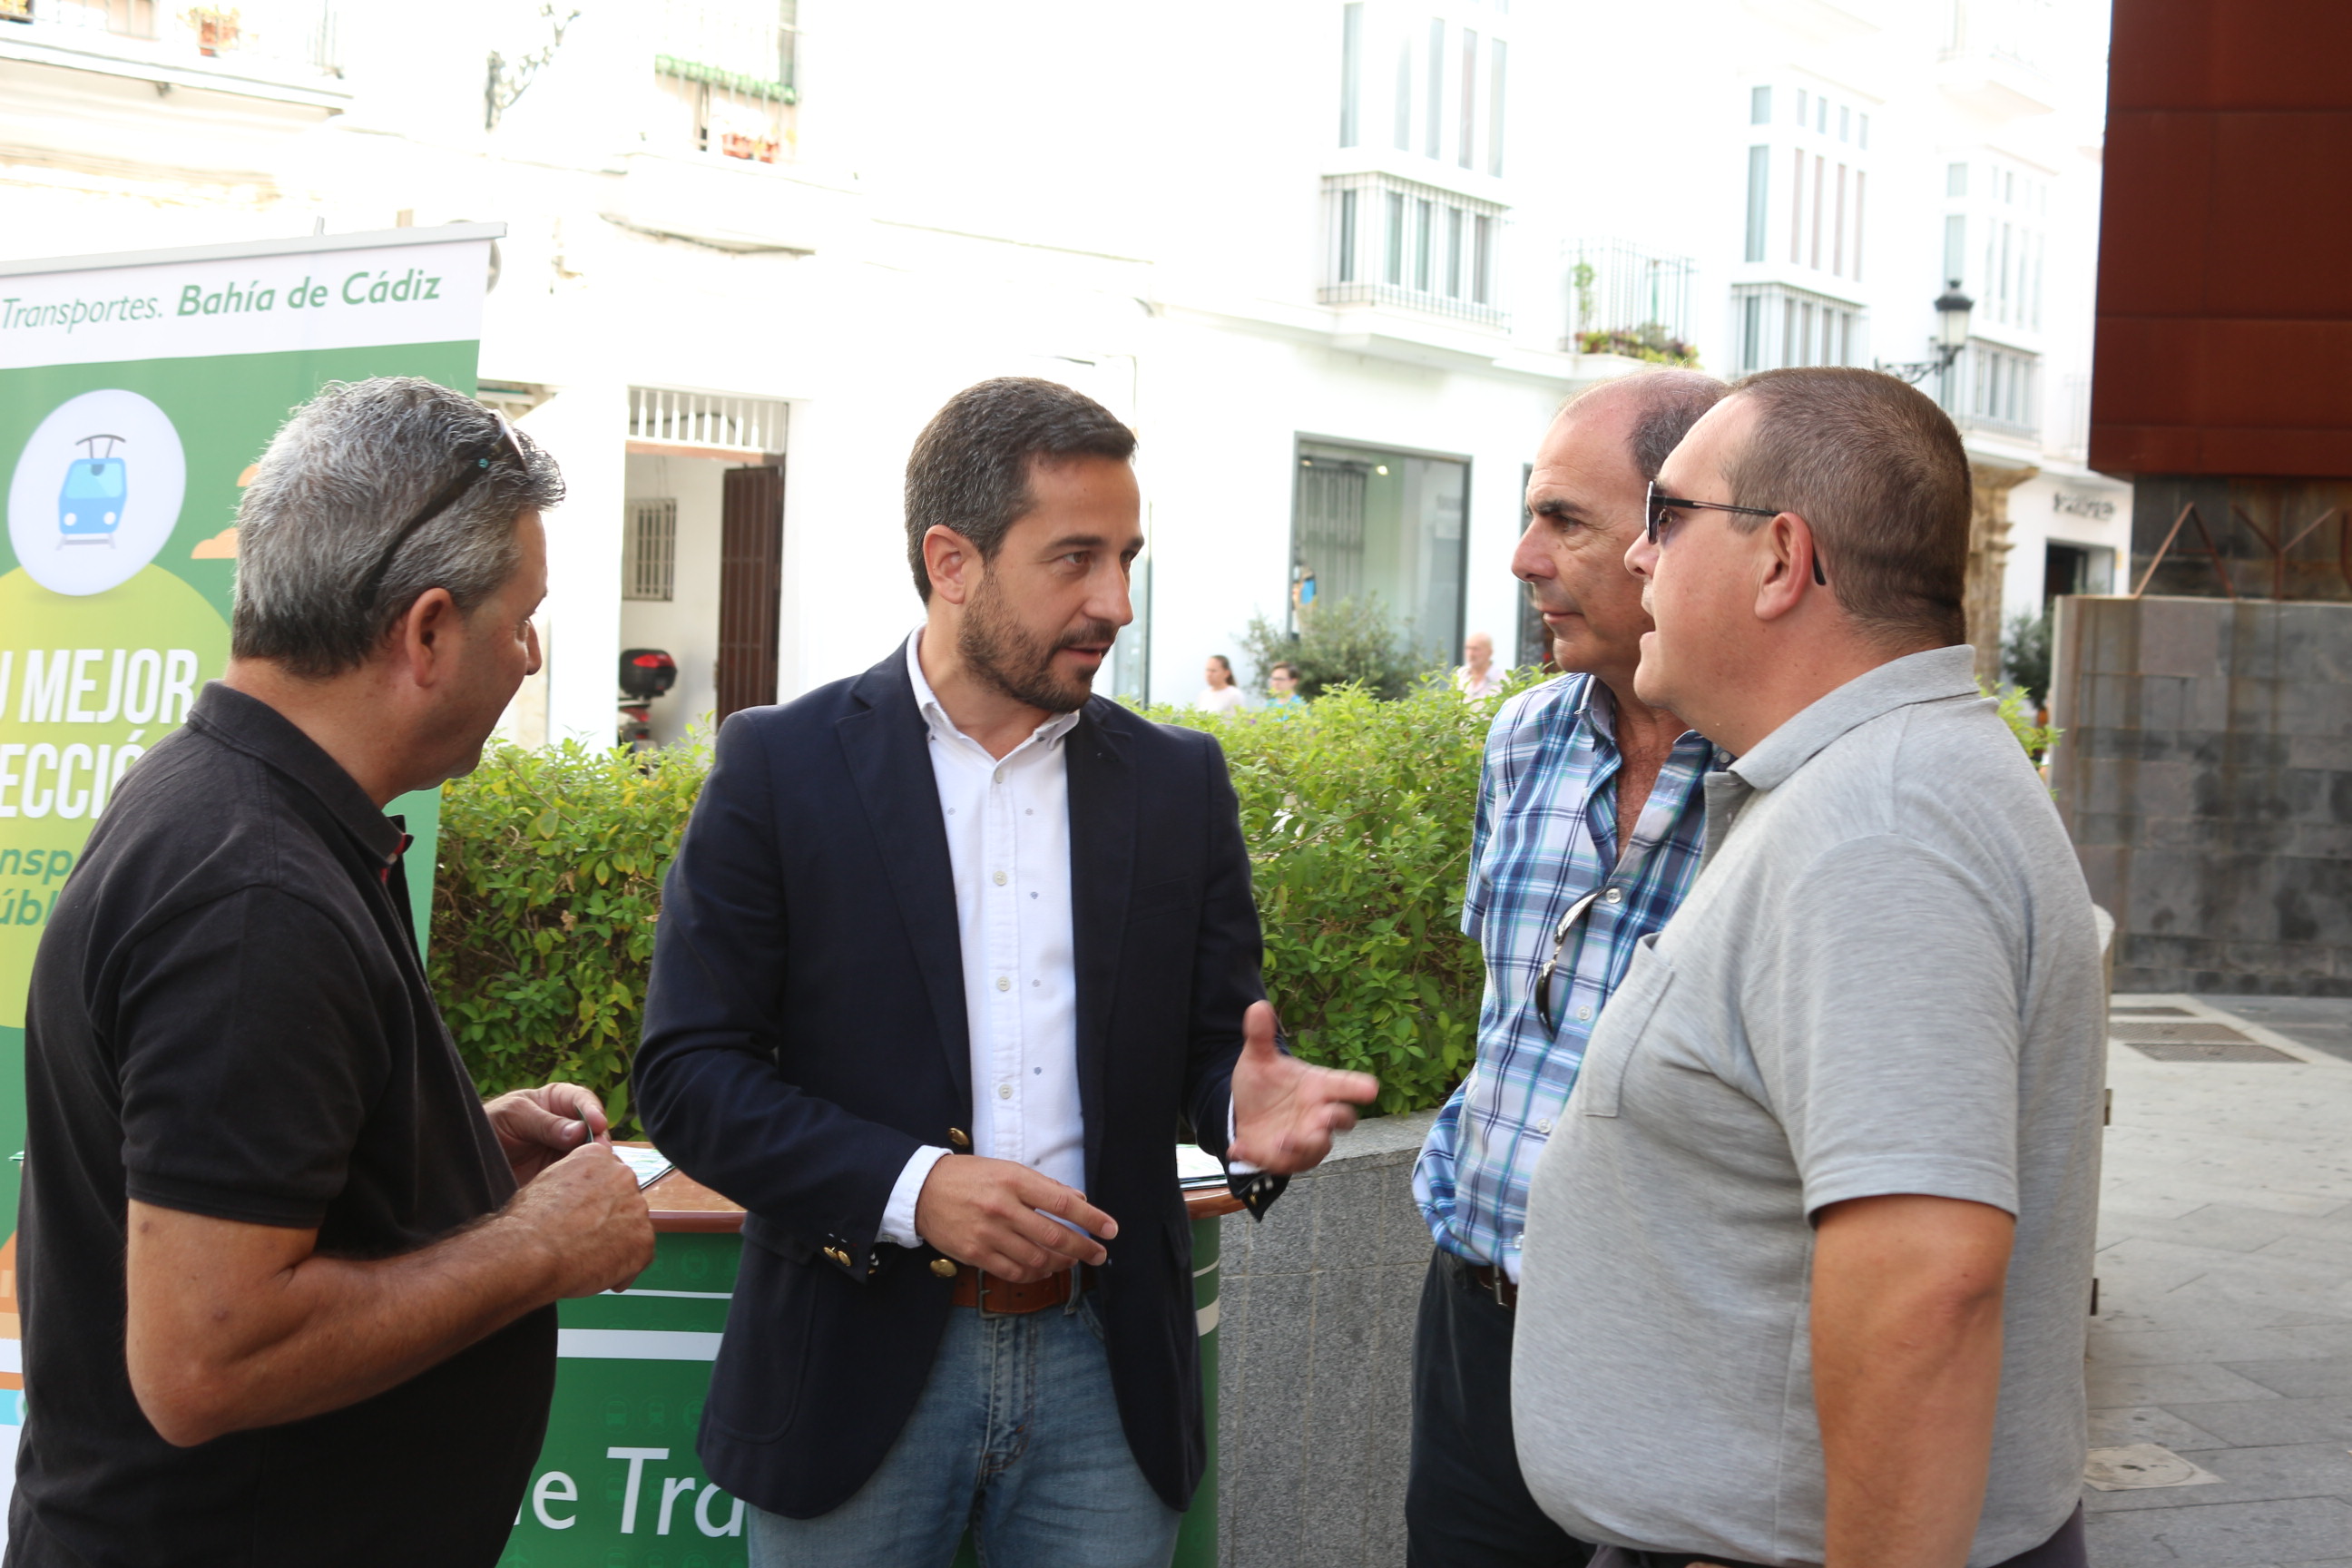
x=686, y=626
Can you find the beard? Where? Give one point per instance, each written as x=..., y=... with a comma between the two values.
x=1019, y=664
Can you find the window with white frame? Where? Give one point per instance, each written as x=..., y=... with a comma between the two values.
x=726, y=69
x=1993, y=386
x=1773, y=326
x=1996, y=237
x=1441, y=75
x=1399, y=242
x=274, y=36
x=1808, y=187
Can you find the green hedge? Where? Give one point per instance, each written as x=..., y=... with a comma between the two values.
x=544, y=901
x=1357, y=813
x=1357, y=816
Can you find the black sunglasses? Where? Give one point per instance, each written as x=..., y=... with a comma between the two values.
x=1558, y=945
x=478, y=463
x=1654, y=507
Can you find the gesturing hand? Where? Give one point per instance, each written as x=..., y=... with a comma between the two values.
x=1284, y=1112
x=985, y=1212
x=536, y=1127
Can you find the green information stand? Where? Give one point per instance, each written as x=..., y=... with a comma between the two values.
x=618, y=1483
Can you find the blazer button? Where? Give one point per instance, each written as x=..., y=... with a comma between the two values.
x=944, y=1267
x=959, y=1137
x=838, y=1255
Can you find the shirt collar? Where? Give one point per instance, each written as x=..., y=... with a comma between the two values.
x=252, y=726
x=927, y=703
x=1596, y=709
x=1935, y=676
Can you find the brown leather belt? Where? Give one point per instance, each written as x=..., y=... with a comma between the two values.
x=1492, y=1281
x=974, y=1288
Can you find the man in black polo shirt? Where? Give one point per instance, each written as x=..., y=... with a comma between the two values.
x=288, y=1281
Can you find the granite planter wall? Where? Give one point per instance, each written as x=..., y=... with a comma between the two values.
x=1315, y=1330
x=2206, y=776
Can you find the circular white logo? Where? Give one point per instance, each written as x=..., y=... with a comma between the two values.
x=97, y=493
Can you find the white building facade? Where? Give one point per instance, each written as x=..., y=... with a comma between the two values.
x=1337, y=262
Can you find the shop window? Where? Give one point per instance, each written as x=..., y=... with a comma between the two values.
x=1368, y=524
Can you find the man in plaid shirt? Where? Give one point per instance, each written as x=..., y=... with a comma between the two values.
x=1590, y=810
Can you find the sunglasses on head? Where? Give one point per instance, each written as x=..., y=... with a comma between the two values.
x=1656, y=524
x=476, y=459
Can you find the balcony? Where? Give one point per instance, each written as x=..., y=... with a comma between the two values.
x=1625, y=301
x=1995, y=389
x=1774, y=326
x=1398, y=244
x=282, y=49
x=1991, y=57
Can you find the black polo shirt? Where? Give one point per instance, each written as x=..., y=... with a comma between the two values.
x=228, y=1018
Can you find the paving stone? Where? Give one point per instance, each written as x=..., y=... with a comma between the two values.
x=2300, y=1379
x=2221, y=1535
x=2130, y=1423
x=2248, y=1475
x=2259, y=1421
x=2182, y=1383
x=2228, y=1345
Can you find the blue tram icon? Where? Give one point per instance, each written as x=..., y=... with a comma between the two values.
x=89, y=506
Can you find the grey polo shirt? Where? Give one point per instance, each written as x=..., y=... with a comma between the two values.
x=1885, y=980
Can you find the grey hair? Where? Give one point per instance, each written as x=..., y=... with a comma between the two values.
x=970, y=468
x=340, y=479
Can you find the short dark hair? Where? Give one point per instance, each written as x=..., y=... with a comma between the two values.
x=970, y=468
x=1879, y=473
x=1281, y=665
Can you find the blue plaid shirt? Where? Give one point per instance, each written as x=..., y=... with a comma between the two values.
x=1545, y=835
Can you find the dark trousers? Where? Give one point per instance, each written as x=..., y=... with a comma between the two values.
x=1465, y=1505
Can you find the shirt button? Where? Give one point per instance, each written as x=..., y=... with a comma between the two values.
x=1000, y=878
x=1613, y=897
x=1584, y=1015
x=1004, y=1091
x=1004, y=982
x=1544, y=1128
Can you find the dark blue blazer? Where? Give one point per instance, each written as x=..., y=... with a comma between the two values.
x=805, y=1034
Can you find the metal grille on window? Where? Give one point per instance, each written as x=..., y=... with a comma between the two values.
x=649, y=571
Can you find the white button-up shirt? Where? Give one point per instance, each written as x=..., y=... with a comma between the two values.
x=1008, y=829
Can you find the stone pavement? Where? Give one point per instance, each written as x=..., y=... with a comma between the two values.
x=2224, y=1329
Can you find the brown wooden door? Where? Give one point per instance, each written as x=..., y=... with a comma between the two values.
x=751, y=586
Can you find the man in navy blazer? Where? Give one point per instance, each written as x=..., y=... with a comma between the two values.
x=949, y=953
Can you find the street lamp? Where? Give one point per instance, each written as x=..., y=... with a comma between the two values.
x=1952, y=309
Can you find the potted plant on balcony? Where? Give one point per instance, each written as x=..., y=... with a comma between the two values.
x=216, y=30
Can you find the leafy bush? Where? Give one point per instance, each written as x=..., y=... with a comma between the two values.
x=1354, y=641
x=1647, y=343
x=1357, y=816
x=2025, y=654
x=2017, y=710
x=544, y=904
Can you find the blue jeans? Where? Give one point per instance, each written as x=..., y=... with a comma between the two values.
x=1016, y=1436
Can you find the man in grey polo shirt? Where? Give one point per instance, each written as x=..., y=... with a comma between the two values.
x=1806, y=1270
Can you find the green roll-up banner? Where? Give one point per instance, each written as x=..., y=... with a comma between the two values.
x=136, y=392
